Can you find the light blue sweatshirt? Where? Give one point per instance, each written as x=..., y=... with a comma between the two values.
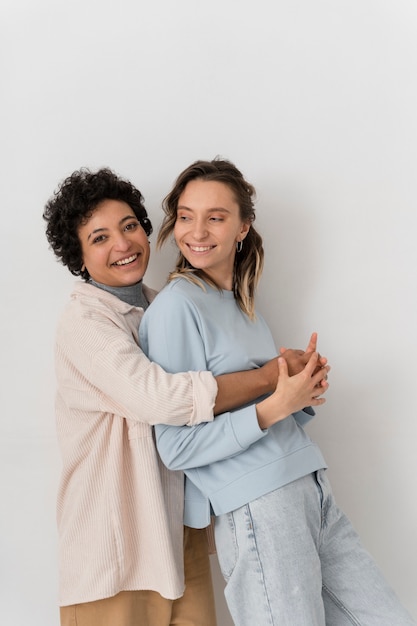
x=230, y=461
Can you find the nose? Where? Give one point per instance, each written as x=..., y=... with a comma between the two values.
x=200, y=229
x=122, y=242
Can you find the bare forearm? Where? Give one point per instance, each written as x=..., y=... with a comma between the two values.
x=238, y=388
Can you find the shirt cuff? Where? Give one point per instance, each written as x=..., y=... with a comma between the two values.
x=204, y=397
x=246, y=426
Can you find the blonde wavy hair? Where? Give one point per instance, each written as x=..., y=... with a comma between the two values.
x=249, y=261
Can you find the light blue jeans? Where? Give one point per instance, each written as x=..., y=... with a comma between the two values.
x=292, y=558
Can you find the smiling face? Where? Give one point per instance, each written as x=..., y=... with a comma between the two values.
x=115, y=248
x=207, y=228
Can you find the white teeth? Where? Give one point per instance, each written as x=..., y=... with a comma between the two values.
x=200, y=248
x=126, y=261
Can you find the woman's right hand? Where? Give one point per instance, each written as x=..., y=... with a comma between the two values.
x=294, y=393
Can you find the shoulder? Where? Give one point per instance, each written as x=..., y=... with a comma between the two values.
x=176, y=305
x=90, y=306
x=89, y=298
x=179, y=291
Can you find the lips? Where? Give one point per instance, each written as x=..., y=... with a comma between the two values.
x=126, y=261
x=200, y=248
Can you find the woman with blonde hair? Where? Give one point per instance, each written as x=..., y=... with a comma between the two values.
x=288, y=554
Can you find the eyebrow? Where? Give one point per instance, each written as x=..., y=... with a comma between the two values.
x=212, y=210
x=121, y=222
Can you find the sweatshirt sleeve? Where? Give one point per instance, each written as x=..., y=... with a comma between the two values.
x=100, y=366
x=172, y=335
x=304, y=416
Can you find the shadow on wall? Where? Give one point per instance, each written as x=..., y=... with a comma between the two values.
x=290, y=232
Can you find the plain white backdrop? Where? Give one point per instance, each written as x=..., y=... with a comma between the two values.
x=315, y=101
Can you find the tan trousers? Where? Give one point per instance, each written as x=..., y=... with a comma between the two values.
x=149, y=608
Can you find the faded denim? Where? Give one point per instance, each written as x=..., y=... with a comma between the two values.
x=292, y=558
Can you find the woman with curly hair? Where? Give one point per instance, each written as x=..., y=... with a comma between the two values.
x=120, y=511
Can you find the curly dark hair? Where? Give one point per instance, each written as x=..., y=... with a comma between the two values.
x=74, y=202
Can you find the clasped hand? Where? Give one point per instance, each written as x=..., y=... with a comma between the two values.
x=302, y=380
x=297, y=359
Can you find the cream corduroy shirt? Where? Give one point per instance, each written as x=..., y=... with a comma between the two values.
x=120, y=510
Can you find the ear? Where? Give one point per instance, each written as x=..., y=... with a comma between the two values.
x=243, y=231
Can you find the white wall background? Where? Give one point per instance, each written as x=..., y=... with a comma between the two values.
x=316, y=102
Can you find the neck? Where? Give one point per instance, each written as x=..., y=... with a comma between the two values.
x=222, y=282
x=131, y=294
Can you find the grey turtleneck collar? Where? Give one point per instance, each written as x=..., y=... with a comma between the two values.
x=131, y=294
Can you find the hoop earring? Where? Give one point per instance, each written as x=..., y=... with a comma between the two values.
x=239, y=246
